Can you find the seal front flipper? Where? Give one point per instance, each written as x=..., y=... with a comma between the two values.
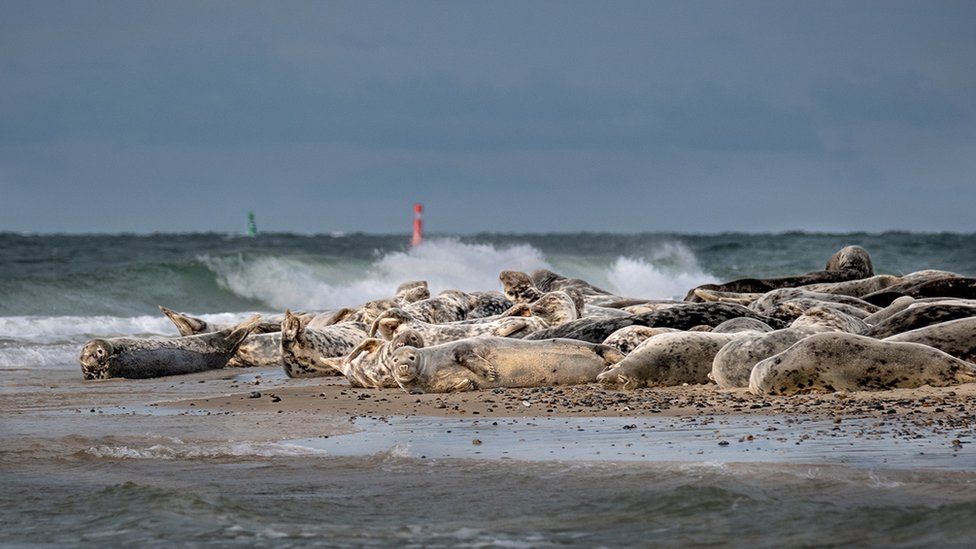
x=513, y=327
x=468, y=358
x=463, y=386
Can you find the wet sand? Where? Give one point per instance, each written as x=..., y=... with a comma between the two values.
x=949, y=407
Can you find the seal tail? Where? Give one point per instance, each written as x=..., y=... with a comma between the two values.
x=187, y=325
x=609, y=354
x=240, y=332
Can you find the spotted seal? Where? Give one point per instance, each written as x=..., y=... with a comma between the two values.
x=956, y=337
x=848, y=263
x=488, y=362
x=839, y=361
x=138, y=358
x=681, y=317
x=855, y=288
x=954, y=286
x=628, y=338
x=667, y=360
x=188, y=325
x=734, y=362
x=830, y=318
x=918, y=316
x=307, y=352
x=554, y=308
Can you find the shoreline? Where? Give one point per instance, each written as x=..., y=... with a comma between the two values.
x=951, y=406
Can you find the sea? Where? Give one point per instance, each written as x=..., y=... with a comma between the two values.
x=97, y=464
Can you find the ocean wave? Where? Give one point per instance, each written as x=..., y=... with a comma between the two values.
x=179, y=450
x=64, y=329
x=309, y=283
x=664, y=271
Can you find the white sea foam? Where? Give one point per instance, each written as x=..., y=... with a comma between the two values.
x=34, y=355
x=307, y=284
x=57, y=329
x=178, y=450
x=667, y=270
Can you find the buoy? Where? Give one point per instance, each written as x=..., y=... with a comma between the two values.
x=418, y=224
x=252, y=226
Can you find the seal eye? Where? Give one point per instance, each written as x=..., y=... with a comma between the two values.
x=99, y=352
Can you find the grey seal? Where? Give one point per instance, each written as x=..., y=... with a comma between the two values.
x=848, y=263
x=668, y=360
x=681, y=317
x=956, y=337
x=138, y=358
x=308, y=352
x=918, y=316
x=734, y=362
x=954, y=286
x=483, y=363
x=628, y=338
x=838, y=361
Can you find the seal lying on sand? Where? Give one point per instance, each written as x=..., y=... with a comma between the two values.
x=849, y=263
x=629, y=338
x=667, y=360
x=553, y=308
x=828, y=318
x=733, y=364
x=482, y=363
x=918, y=316
x=261, y=348
x=681, y=317
x=838, y=361
x=307, y=352
x=188, y=325
x=370, y=364
x=955, y=286
x=956, y=337
x=144, y=358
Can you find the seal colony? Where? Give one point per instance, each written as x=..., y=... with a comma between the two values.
x=841, y=328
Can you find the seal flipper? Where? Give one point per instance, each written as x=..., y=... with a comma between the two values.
x=187, y=325
x=609, y=354
x=240, y=332
x=468, y=358
x=291, y=328
x=519, y=309
x=511, y=327
x=368, y=345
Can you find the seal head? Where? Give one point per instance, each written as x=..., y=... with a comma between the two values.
x=406, y=365
x=94, y=359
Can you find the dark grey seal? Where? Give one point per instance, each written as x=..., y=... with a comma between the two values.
x=137, y=358
x=681, y=317
x=849, y=263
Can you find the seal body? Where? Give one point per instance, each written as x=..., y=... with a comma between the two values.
x=839, y=361
x=848, y=263
x=489, y=362
x=680, y=317
x=307, y=352
x=956, y=337
x=137, y=358
x=667, y=360
x=258, y=350
x=629, y=338
x=370, y=364
x=734, y=362
x=918, y=316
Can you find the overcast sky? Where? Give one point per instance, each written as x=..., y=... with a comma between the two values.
x=498, y=116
